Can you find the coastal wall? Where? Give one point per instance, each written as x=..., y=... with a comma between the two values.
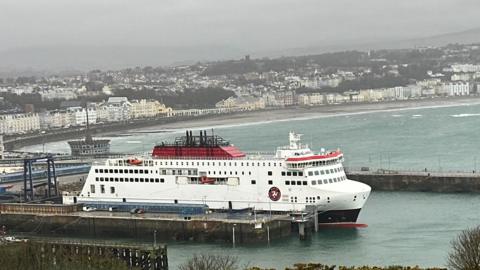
x=421, y=181
x=91, y=226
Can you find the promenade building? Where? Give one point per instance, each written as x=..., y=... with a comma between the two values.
x=147, y=108
x=78, y=116
x=2, y=149
x=114, y=110
x=19, y=123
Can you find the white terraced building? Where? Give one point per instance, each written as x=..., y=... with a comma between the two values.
x=19, y=123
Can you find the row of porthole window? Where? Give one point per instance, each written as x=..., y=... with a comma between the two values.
x=136, y=171
x=292, y=174
x=331, y=180
x=295, y=183
x=121, y=179
x=327, y=171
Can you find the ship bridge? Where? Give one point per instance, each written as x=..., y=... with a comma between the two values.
x=299, y=156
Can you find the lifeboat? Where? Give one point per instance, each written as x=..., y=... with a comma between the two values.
x=206, y=180
x=134, y=161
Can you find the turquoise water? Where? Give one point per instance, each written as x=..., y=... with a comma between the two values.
x=440, y=139
x=404, y=228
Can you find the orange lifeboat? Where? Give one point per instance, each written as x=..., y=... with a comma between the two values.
x=134, y=161
x=206, y=180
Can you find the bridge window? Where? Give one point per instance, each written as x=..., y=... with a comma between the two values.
x=305, y=183
x=96, y=170
x=96, y=179
x=289, y=173
x=325, y=181
x=283, y=173
x=270, y=173
x=293, y=183
x=314, y=182
x=287, y=183
x=270, y=182
x=294, y=173
x=330, y=180
x=319, y=182
x=254, y=182
x=300, y=173
x=316, y=173
x=310, y=173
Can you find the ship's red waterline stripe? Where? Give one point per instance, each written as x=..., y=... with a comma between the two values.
x=344, y=225
x=331, y=155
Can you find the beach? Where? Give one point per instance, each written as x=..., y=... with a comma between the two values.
x=303, y=113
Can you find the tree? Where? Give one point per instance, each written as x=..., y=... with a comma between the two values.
x=210, y=262
x=465, y=252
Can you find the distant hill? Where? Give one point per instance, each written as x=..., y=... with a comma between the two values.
x=62, y=58
x=463, y=37
x=43, y=60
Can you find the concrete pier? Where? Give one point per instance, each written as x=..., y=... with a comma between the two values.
x=390, y=180
x=106, y=225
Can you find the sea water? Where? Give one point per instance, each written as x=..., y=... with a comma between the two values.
x=403, y=228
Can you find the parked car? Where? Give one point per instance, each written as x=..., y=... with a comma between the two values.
x=88, y=209
x=137, y=211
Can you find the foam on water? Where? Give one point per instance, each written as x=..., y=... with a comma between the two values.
x=465, y=115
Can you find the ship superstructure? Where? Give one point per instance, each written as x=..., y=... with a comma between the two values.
x=208, y=170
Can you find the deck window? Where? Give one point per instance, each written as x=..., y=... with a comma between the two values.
x=316, y=173
x=270, y=173
x=287, y=183
x=270, y=182
x=92, y=188
x=254, y=182
x=319, y=182
x=102, y=188
x=305, y=183
x=325, y=181
x=96, y=170
x=300, y=173
x=314, y=182
x=293, y=183
x=289, y=173
x=283, y=173
x=310, y=173
x=112, y=190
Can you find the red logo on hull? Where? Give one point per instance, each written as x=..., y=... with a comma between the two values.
x=274, y=194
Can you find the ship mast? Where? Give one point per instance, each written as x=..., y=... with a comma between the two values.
x=88, y=136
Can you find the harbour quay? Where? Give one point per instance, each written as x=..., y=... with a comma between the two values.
x=418, y=181
x=70, y=221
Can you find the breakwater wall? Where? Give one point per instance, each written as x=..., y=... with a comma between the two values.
x=90, y=225
x=419, y=181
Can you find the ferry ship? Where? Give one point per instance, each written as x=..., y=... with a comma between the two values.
x=208, y=170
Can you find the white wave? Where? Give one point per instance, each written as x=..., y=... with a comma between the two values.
x=417, y=116
x=465, y=115
x=397, y=115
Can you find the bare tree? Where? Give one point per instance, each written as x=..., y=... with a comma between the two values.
x=210, y=262
x=465, y=252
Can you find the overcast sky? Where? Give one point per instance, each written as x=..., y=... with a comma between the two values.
x=252, y=24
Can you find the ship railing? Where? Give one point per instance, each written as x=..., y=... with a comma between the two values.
x=403, y=171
